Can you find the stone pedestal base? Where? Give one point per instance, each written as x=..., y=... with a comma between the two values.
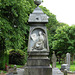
x=38, y=70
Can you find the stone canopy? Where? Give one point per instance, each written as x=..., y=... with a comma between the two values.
x=38, y=17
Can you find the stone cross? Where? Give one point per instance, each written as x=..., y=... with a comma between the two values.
x=54, y=59
x=68, y=59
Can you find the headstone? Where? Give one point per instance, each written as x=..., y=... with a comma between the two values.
x=56, y=71
x=38, y=49
x=64, y=66
x=68, y=59
x=54, y=59
x=15, y=70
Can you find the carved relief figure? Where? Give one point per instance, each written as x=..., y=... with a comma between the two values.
x=39, y=41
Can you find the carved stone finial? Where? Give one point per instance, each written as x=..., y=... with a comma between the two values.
x=37, y=2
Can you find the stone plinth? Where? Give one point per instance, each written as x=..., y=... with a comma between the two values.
x=38, y=70
x=38, y=64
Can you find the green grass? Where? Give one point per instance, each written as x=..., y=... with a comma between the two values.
x=72, y=66
x=18, y=66
x=58, y=65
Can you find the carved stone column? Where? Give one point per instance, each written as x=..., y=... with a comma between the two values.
x=38, y=49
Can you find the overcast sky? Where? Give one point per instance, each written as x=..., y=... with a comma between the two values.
x=63, y=9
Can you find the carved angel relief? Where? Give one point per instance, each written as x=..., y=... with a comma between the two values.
x=39, y=41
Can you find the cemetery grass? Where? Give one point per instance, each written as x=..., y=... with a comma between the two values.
x=18, y=66
x=72, y=66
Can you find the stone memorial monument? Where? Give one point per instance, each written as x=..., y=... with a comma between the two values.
x=67, y=65
x=54, y=60
x=68, y=60
x=38, y=49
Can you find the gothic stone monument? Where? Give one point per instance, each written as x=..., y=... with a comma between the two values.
x=38, y=49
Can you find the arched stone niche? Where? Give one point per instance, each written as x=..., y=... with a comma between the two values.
x=38, y=39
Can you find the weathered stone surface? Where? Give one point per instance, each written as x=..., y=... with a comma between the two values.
x=38, y=62
x=38, y=16
x=20, y=71
x=64, y=66
x=54, y=59
x=36, y=40
x=38, y=49
x=10, y=73
x=38, y=70
x=68, y=60
x=56, y=71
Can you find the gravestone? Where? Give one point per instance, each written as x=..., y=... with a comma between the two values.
x=68, y=59
x=54, y=59
x=38, y=49
x=15, y=70
x=64, y=66
x=67, y=65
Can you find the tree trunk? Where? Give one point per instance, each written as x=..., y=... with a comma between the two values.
x=59, y=60
x=72, y=58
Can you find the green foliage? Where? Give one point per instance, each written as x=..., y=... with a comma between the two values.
x=17, y=57
x=13, y=22
x=72, y=68
x=14, y=27
x=52, y=25
x=64, y=40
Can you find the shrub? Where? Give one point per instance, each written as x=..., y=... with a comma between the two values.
x=16, y=57
x=4, y=58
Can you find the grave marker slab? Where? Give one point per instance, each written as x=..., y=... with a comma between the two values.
x=68, y=60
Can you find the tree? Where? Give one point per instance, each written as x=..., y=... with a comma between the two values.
x=64, y=40
x=14, y=24
x=52, y=26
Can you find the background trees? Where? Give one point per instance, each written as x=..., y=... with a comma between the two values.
x=14, y=29
x=64, y=41
x=13, y=25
